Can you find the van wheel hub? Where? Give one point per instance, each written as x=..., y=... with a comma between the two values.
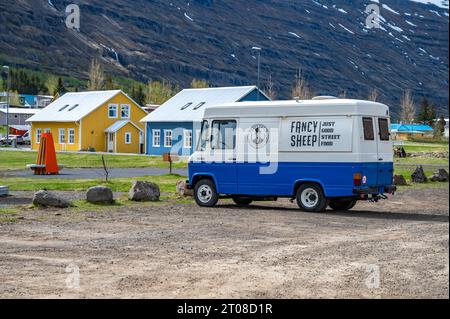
x=310, y=197
x=204, y=193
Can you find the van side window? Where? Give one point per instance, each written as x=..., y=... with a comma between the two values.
x=383, y=125
x=223, y=135
x=203, y=136
x=368, y=129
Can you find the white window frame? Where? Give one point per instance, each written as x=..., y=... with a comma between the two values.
x=154, y=134
x=71, y=133
x=168, y=134
x=116, y=108
x=38, y=135
x=62, y=135
x=126, y=140
x=127, y=106
x=187, y=139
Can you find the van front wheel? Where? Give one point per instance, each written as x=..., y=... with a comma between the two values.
x=205, y=193
x=310, y=198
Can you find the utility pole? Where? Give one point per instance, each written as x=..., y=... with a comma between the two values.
x=7, y=102
x=258, y=49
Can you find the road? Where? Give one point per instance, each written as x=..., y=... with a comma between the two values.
x=394, y=249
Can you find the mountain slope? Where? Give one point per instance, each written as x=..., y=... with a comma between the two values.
x=211, y=39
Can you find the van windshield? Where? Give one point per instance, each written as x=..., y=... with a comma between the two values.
x=203, y=136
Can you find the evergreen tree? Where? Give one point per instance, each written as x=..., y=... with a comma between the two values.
x=60, y=89
x=109, y=83
x=439, y=128
x=424, y=112
x=138, y=95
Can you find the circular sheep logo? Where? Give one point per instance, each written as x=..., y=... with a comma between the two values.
x=259, y=135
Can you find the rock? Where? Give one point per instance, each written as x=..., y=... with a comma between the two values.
x=144, y=192
x=419, y=175
x=47, y=199
x=440, y=176
x=182, y=190
x=100, y=195
x=400, y=180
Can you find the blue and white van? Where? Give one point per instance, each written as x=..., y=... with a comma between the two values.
x=321, y=152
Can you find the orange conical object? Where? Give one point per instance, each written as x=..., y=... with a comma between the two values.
x=51, y=165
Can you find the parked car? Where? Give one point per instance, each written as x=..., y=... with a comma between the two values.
x=26, y=138
x=13, y=139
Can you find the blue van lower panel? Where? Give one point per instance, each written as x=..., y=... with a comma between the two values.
x=259, y=180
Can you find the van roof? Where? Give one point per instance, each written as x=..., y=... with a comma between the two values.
x=299, y=108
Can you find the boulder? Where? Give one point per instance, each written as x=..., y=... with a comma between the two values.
x=440, y=176
x=419, y=175
x=400, y=180
x=182, y=190
x=100, y=195
x=46, y=199
x=144, y=192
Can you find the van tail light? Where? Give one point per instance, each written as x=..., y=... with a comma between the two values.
x=357, y=179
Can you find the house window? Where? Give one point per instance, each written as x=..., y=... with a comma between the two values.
x=368, y=129
x=38, y=135
x=127, y=137
x=112, y=111
x=187, y=138
x=71, y=133
x=62, y=136
x=47, y=130
x=383, y=125
x=125, y=111
x=167, y=138
x=156, y=138
x=223, y=135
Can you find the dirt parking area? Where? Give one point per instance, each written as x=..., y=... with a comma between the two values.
x=398, y=248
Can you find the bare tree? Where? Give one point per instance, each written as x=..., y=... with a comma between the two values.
x=301, y=90
x=408, y=113
x=270, y=89
x=106, y=169
x=373, y=95
x=96, y=76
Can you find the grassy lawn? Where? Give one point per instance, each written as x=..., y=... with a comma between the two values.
x=422, y=160
x=417, y=147
x=166, y=183
x=10, y=160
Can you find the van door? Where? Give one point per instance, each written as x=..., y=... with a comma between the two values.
x=221, y=157
x=257, y=167
x=385, y=152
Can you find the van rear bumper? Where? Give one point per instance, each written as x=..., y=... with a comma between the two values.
x=375, y=190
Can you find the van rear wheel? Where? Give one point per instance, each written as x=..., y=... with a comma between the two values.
x=342, y=204
x=242, y=201
x=205, y=193
x=310, y=198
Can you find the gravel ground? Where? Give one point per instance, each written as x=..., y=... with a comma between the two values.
x=397, y=248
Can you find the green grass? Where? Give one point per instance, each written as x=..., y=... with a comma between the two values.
x=417, y=147
x=422, y=160
x=406, y=172
x=7, y=215
x=10, y=160
x=166, y=183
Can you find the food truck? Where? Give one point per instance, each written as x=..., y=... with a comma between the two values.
x=324, y=152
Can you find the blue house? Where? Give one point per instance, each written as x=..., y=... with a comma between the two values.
x=174, y=126
x=406, y=131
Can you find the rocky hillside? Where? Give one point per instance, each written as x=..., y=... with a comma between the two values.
x=212, y=39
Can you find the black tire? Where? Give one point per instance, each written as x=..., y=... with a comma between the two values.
x=342, y=204
x=310, y=198
x=242, y=201
x=205, y=193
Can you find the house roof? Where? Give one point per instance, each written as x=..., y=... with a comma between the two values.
x=118, y=125
x=413, y=128
x=189, y=104
x=18, y=110
x=72, y=107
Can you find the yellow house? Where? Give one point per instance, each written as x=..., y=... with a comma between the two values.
x=101, y=121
